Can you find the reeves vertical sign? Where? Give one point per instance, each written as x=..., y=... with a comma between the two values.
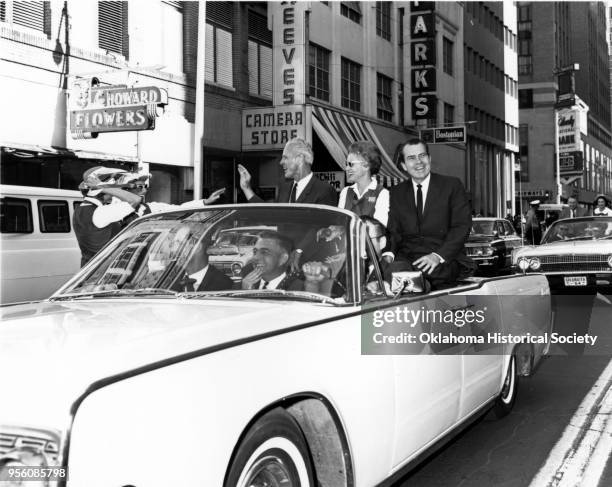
x=423, y=60
x=289, y=52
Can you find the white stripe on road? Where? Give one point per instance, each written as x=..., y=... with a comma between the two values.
x=580, y=456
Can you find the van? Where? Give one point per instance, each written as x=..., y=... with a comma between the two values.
x=39, y=248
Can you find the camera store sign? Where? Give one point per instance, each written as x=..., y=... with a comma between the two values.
x=288, y=55
x=270, y=128
x=423, y=60
x=113, y=108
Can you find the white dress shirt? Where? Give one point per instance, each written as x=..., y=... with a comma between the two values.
x=301, y=184
x=381, y=208
x=198, y=277
x=104, y=215
x=274, y=282
x=424, y=190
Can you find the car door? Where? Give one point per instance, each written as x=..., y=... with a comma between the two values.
x=427, y=383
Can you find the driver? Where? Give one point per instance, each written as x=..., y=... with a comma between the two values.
x=271, y=260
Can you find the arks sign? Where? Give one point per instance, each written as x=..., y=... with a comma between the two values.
x=423, y=60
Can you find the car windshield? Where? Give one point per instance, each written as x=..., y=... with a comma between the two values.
x=594, y=228
x=179, y=253
x=483, y=227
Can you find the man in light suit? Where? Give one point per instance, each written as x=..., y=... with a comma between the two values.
x=429, y=220
x=574, y=211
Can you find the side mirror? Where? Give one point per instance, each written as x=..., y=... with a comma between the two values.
x=495, y=233
x=407, y=282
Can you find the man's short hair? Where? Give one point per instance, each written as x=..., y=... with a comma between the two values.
x=299, y=146
x=370, y=152
x=283, y=242
x=412, y=141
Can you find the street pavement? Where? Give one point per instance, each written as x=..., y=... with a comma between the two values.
x=558, y=433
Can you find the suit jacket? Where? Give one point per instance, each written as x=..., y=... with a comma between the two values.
x=315, y=192
x=445, y=224
x=565, y=213
x=214, y=280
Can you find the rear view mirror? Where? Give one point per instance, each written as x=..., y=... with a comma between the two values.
x=407, y=282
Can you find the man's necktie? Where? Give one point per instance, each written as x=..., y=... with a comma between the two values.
x=188, y=283
x=419, y=202
x=571, y=213
x=265, y=284
x=292, y=197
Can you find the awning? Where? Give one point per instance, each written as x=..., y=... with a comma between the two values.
x=338, y=130
x=27, y=151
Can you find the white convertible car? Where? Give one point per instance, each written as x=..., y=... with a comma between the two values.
x=125, y=379
x=575, y=254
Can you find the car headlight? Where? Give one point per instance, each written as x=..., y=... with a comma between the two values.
x=487, y=251
x=610, y=261
x=534, y=263
x=26, y=447
x=236, y=268
x=523, y=263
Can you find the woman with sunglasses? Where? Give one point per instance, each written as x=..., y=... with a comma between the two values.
x=365, y=196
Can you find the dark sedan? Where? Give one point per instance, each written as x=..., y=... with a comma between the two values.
x=490, y=244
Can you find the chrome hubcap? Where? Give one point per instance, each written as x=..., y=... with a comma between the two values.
x=269, y=472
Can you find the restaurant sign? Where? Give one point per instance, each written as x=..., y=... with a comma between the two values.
x=270, y=128
x=118, y=108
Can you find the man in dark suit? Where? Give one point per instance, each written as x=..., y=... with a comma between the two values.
x=296, y=162
x=429, y=220
x=270, y=259
x=574, y=211
x=200, y=276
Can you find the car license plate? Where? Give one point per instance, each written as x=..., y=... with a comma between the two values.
x=575, y=281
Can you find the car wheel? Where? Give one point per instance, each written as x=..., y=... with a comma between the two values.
x=505, y=401
x=273, y=453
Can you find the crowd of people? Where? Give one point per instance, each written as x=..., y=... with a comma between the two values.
x=532, y=224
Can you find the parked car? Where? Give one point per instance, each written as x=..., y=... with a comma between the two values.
x=259, y=386
x=39, y=249
x=575, y=253
x=491, y=243
x=233, y=249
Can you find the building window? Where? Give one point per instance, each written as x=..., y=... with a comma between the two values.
x=449, y=114
x=218, y=56
x=260, y=56
x=172, y=33
x=33, y=15
x=383, y=20
x=351, y=83
x=525, y=64
x=524, y=17
x=113, y=27
x=524, y=47
x=384, y=104
x=351, y=10
x=447, y=55
x=318, y=71
x=524, y=152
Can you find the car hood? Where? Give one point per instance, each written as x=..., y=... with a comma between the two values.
x=572, y=247
x=472, y=239
x=50, y=352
